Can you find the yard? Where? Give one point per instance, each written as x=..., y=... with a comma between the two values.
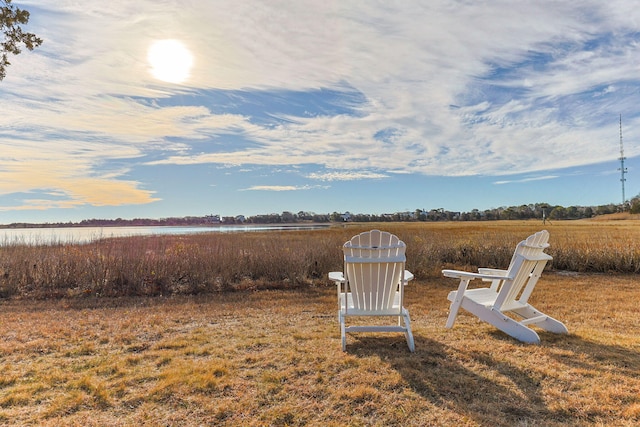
x=273, y=358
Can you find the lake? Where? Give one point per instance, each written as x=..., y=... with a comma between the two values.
x=57, y=235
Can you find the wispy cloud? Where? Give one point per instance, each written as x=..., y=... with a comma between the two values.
x=346, y=176
x=40, y=205
x=536, y=178
x=281, y=187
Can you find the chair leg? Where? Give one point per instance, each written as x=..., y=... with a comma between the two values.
x=519, y=332
x=511, y=327
x=503, y=322
x=456, y=298
x=453, y=313
x=406, y=328
x=408, y=333
x=343, y=332
x=546, y=322
x=552, y=325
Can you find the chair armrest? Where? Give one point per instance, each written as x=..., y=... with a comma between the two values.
x=457, y=274
x=337, y=276
x=407, y=276
x=495, y=283
x=493, y=271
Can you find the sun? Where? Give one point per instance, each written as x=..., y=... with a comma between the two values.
x=170, y=61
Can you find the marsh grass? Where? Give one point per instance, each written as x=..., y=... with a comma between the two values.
x=206, y=263
x=273, y=358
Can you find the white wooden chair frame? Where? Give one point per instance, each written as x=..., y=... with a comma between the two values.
x=372, y=284
x=508, y=294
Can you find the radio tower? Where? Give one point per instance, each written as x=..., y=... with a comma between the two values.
x=622, y=169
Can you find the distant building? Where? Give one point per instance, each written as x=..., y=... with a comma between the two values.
x=214, y=219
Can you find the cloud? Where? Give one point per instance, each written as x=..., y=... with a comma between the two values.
x=41, y=205
x=436, y=88
x=65, y=171
x=537, y=178
x=280, y=188
x=346, y=176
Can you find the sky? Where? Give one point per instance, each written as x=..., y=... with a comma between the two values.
x=171, y=108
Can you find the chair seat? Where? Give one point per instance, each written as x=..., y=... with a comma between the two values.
x=395, y=309
x=486, y=297
x=483, y=296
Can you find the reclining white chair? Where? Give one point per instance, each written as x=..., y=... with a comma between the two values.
x=373, y=283
x=508, y=294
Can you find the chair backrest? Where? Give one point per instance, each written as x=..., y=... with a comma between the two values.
x=531, y=243
x=527, y=264
x=374, y=263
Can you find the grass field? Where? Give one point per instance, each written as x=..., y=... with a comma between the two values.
x=273, y=358
x=214, y=262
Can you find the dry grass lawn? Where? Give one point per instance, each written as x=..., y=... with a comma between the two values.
x=273, y=358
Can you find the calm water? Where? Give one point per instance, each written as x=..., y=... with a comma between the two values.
x=45, y=236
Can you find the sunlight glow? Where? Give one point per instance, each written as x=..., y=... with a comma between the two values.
x=170, y=61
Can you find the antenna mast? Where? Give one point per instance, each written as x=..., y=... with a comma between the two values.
x=622, y=169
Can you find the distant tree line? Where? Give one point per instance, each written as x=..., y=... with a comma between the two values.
x=539, y=211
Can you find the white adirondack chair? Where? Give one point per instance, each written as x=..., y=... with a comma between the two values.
x=373, y=283
x=508, y=294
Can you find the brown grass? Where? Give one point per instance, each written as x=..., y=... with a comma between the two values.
x=205, y=263
x=273, y=358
